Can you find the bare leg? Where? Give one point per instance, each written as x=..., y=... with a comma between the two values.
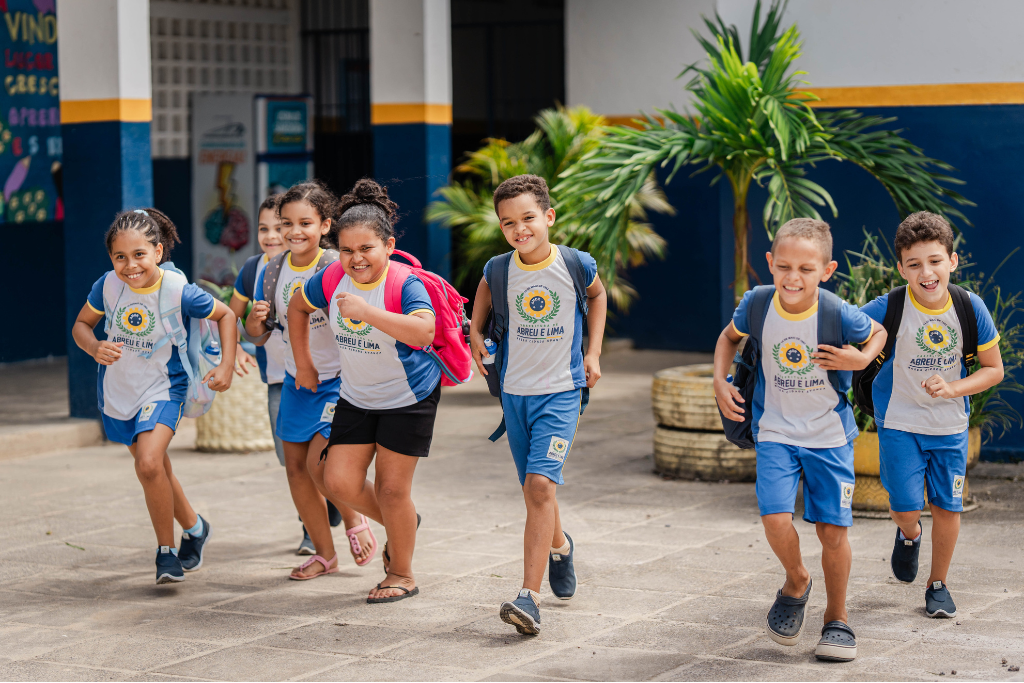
x=311, y=505
x=836, y=560
x=317, y=470
x=542, y=528
x=785, y=543
x=945, y=530
x=149, y=452
x=558, y=539
x=393, y=488
x=342, y=479
x=183, y=511
x=907, y=522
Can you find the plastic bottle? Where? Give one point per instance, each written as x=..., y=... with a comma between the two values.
x=212, y=349
x=493, y=381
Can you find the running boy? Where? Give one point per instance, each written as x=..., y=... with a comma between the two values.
x=544, y=375
x=921, y=400
x=800, y=422
x=142, y=383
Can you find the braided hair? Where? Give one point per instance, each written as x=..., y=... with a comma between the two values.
x=151, y=223
x=367, y=204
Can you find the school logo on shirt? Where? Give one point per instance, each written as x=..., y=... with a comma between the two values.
x=357, y=327
x=538, y=304
x=937, y=338
x=846, y=494
x=290, y=289
x=793, y=356
x=558, y=449
x=958, y=486
x=135, y=319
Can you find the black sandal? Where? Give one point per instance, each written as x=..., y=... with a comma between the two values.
x=394, y=598
x=838, y=643
x=785, y=620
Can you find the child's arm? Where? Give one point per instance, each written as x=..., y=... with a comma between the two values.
x=254, y=323
x=238, y=306
x=988, y=375
x=299, y=311
x=481, y=309
x=219, y=379
x=849, y=357
x=725, y=393
x=414, y=329
x=104, y=352
x=597, y=312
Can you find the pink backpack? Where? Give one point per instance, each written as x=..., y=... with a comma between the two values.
x=450, y=349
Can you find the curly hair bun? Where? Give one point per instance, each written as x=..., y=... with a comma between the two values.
x=367, y=204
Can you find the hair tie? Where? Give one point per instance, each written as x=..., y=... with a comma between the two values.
x=143, y=212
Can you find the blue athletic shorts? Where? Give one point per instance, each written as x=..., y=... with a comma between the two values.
x=828, y=481
x=158, y=412
x=302, y=413
x=541, y=430
x=910, y=461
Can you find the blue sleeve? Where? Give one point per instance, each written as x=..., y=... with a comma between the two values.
x=240, y=286
x=856, y=324
x=988, y=335
x=95, y=298
x=258, y=287
x=739, y=316
x=589, y=266
x=313, y=290
x=876, y=309
x=415, y=297
x=487, y=271
x=197, y=302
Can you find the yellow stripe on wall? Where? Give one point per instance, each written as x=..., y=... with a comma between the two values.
x=920, y=95
x=91, y=111
x=411, y=113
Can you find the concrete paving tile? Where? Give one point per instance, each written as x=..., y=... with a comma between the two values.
x=929, y=661
x=218, y=626
x=378, y=669
x=422, y=613
x=673, y=637
x=193, y=592
x=662, y=575
x=249, y=663
x=470, y=651
x=593, y=663
x=128, y=651
x=1008, y=611
x=339, y=638
x=512, y=676
x=25, y=642
x=662, y=535
x=615, y=602
x=32, y=670
x=709, y=610
x=11, y=571
x=97, y=615
x=722, y=669
x=558, y=625
x=293, y=603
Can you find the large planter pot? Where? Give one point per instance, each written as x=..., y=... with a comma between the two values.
x=684, y=397
x=868, y=494
x=237, y=421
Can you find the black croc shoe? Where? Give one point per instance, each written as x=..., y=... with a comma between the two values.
x=904, y=556
x=837, y=644
x=786, y=618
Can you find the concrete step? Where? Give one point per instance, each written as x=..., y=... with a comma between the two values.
x=17, y=441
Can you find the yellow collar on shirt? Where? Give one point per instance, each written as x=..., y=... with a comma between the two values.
x=376, y=283
x=538, y=266
x=793, y=316
x=929, y=311
x=151, y=288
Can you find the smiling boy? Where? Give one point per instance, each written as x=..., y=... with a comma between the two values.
x=802, y=422
x=921, y=400
x=545, y=376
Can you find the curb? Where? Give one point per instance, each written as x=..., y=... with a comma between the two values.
x=24, y=440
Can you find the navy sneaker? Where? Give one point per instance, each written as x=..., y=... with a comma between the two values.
x=938, y=603
x=904, y=556
x=522, y=613
x=168, y=566
x=190, y=551
x=561, y=573
x=306, y=547
x=333, y=515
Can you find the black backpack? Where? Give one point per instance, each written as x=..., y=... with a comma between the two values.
x=499, y=310
x=863, y=379
x=830, y=331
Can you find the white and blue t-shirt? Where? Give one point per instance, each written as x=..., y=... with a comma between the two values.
x=543, y=345
x=132, y=381
x=794, y=403
x=321, y=341
x=928, y=342
x=270, y=356
x=378, y=372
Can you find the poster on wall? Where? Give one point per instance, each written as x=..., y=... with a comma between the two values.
x=30, y=142
x=284, y=143
x=224, y=232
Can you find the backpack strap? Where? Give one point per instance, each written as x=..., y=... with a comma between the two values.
x=271, y=274
x=578, y=275
x=111, y=284
x=891, y=322
x=172, y=286
x=408, y=257
x=396, y=276
x=968, y=323
x=830, y=329
x=328, y=257
x=758, y=311
x=499, y=317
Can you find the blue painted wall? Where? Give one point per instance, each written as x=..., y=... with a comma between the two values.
x=21, y=275
x=172, y=194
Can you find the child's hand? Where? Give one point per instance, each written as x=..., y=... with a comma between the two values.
x=938, y=387
x=107, y=352
x=847, y=358
x=219, y=379
x=352, y=306
x=306, y=377
x=241, y=358
x=728, y=396
x=476, y=345
x=260, y=311
x=592, y=367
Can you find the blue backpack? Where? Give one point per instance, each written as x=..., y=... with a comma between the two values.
x=830, y=331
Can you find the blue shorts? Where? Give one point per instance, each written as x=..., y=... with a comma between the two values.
x=541, y=430
x=828, y=481
x=302, y=413
x=152, y=414
x=910, y=461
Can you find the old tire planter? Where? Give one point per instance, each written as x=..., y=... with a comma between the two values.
x=688, y=441
x=237, y=421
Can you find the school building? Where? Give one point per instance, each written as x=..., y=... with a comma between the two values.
x=100, y=95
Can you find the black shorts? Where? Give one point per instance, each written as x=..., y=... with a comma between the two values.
x=407, y=430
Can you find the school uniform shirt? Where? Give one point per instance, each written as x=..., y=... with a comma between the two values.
x=132, y=381
x=794, y=403
x=378, y=372
x=543, y=344
x=321, y=341
x=928, y=342
x=270, y=356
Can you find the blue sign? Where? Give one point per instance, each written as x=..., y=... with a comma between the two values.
x=286, y=126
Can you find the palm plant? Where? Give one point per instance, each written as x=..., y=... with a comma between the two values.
x=752, y=123
x=562, y=138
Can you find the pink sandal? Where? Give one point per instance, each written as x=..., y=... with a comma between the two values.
x=357, y=548
x=316, y=558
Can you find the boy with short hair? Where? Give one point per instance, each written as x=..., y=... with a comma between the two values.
x=545, y=376
x=921, y=402
x=801, y=421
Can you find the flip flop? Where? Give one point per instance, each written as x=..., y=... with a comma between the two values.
x=353, y=540
x=406, y=593
x=315, y=558
x=384, y=553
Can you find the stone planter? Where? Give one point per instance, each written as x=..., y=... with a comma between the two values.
x=689, y=441
x=868, y=494
x=237, y=421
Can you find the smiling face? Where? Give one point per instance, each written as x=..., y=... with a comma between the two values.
x=136, y=261
x=926, y=267
x=525, y=225
x=302, y=228
x=797, y=267
x=363, y=254
x=271, y=233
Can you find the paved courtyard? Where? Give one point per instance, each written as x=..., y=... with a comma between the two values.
x=676, y=577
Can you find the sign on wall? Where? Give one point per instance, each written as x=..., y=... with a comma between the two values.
x=30, y=142
x=284, y=143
